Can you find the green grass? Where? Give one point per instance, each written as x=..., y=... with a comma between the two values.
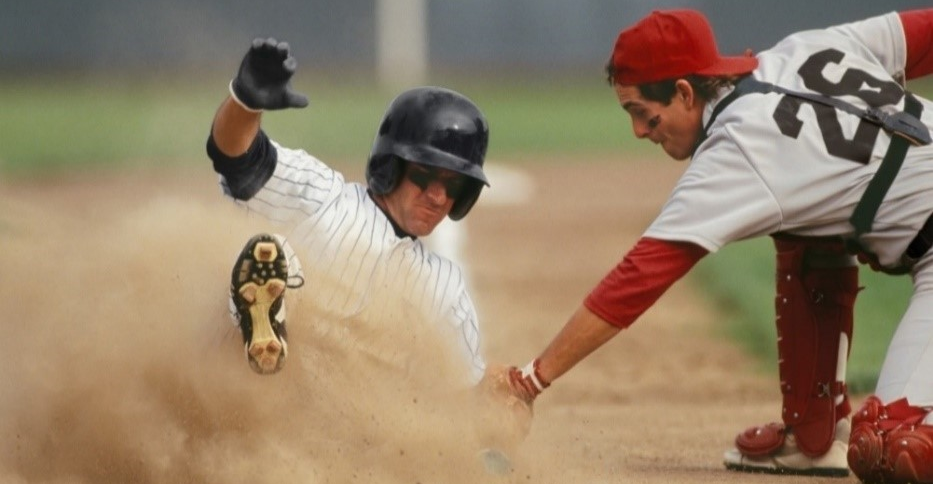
x=740, y=279
x=76, y=126
x=70, y=124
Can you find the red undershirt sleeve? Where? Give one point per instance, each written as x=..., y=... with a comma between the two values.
x=918, y=34
x=643, y=275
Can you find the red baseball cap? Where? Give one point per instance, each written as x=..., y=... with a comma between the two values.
x=669, y=44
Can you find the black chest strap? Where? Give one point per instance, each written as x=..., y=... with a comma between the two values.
x=905, y=128
x=864, y=213
x=904, y=124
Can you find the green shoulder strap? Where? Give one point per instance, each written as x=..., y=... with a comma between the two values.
x=864, y=214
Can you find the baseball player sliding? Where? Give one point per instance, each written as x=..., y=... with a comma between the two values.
x=815, y=143
x=360, y=245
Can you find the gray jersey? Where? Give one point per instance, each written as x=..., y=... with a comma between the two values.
x=356, y=267
x=750, y=179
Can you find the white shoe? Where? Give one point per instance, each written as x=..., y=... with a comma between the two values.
x=790, y=460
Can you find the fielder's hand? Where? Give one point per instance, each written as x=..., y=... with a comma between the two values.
x=263, y=79
x=509, y=414
x=523, y=384
x=515, y=389
x=526, y=383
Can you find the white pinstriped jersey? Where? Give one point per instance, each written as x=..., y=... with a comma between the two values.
x=774, y=164
x=357, y=269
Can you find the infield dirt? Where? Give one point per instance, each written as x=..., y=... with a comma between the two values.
x=122, y=364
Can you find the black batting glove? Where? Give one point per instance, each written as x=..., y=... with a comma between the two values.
x=263, y=79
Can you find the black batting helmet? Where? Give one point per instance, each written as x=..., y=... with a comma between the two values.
x=436, y=127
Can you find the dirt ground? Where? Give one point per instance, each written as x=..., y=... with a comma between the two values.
x=122, y=365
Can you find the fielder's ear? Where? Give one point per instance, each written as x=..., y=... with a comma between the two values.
x=684, y=93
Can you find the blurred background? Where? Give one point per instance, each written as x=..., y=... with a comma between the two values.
x=540, y=36
x=118, y=82
x=126, y=85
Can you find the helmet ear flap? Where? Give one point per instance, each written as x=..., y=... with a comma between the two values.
x=383, y=173
x=467, y=199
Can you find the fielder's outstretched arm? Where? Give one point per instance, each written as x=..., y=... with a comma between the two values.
x=582, y=334
x=630, y=288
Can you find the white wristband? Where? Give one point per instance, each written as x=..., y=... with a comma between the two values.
x=529, y=372
x=238, y=101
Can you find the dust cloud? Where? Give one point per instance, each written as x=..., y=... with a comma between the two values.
x=122, y=365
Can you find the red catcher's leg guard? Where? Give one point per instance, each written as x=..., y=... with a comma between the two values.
x=817, y=283
x=889, y=444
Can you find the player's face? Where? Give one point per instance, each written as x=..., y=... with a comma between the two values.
x=423, y=197
x=676, y=126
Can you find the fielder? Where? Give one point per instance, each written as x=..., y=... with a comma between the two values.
x=426, y=163
x=816, y=143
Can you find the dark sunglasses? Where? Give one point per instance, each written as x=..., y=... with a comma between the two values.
x=422, y=177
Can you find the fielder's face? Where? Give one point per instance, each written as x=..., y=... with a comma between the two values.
x=423, y=197
x=675, y=126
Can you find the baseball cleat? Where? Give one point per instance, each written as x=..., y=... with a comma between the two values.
x=259, y=279
x=789, y=460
